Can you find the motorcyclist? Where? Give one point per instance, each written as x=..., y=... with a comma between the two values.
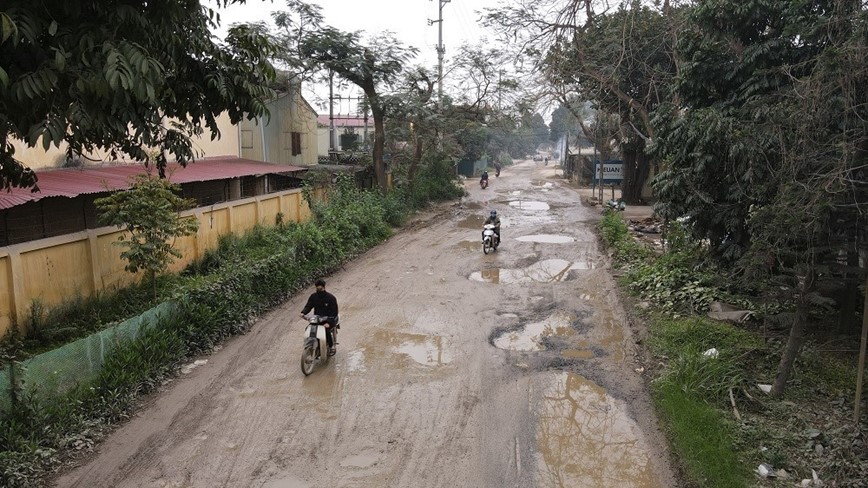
x=484, y=178
x=324, y=305
x=493, y=219
x=497, y=169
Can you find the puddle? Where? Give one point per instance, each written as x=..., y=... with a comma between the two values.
x=548, y=271
x=586, y=438
x=423, y=349
x=519, y=219
x=470, y=245
x=472, y=222
x=473, y=205
x=354, y=361
x=288, y=482
x=515, y=192
x=578, y=354
x=529, y=205
x=543, y=184
x=530, y=337
x=360, y=461
x=546, y=239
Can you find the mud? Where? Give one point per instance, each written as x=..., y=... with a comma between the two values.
x=418, y=395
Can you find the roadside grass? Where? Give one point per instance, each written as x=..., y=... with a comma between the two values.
x=809, y=429
x=700, y=437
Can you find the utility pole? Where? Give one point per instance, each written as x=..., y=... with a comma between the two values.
x=441, y=50
x=332, y=149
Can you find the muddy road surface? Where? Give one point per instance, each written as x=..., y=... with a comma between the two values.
x=454, y=369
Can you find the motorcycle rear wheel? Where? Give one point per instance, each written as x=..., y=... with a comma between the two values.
x=308, y=359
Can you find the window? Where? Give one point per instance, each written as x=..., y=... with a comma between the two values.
x=296, y=143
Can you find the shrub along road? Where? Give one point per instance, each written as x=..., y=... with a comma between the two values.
x=454, y=369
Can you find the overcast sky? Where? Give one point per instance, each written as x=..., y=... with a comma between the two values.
x=408, y=19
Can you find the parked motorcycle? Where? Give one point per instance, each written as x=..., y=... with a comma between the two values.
x=490, y=241
x=316, y=347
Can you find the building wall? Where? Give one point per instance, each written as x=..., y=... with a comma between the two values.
x=37, y=158
x=58, y=269
x=289, y=113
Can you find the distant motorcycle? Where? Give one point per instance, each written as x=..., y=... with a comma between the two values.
x=496, y=172
x=315, y=342
x=490, y=241
x=483, y=183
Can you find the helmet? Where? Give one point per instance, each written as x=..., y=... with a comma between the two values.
x=493, y=213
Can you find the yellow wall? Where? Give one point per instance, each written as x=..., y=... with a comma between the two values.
x=289, y=113
x=58, y=269
x=227, y=145
x=6, y=297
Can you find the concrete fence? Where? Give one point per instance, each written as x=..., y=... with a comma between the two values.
x=55, y=270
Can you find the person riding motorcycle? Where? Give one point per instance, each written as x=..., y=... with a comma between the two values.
x=495, y=220
x=483, y=178
x=324, y=305
x=497, y=167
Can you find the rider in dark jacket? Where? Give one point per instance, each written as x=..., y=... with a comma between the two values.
x=493, y=219
x=325, y=305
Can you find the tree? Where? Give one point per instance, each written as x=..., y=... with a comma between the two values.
x=620, y=58
x=148, y=211
x=373, y=64
x=107, y=75
x=768, y=150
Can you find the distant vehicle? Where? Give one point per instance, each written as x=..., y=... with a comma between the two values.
x=537, y=157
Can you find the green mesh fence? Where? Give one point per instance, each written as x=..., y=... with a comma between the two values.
x=59, y=371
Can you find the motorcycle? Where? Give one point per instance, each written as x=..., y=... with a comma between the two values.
x=315, y=342
x=496, y=172
x=490, y=241
x=483, y=183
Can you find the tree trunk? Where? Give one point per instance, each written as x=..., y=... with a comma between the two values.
x=796, y=339
x=847, y=318
x=635, y=175
x=379, y=137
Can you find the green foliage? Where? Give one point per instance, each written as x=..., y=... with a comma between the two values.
x=148, y=211
x=701, y=437
x=104, y=75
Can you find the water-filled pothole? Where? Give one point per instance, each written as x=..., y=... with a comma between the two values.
x=546, y=239
x=547, y=271
x=469, y=245
x=423, y=349
x=531, y=337
x=585, y=438
x=472, y=222
x=529, y=205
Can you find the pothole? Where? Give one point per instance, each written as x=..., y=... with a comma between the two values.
x=529, y=205
x=472, y=222
x=586, y=438
x=423, y=349
x=469, y=245
x=547, y=271
x=546, y=239
x=532, y=336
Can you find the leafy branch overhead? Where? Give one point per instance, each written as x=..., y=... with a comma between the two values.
x=86, y=76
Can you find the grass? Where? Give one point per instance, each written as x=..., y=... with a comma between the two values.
x=701, y=438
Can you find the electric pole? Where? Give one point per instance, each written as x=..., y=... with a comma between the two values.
x=441, y=50
x=332, y=148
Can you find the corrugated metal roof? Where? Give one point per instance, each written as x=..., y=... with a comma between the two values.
x=71, y=182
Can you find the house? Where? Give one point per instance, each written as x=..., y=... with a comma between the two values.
x=52, y=247
x=288, y=136
x=344, y=124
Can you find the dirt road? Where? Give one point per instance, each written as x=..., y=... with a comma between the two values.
x=454, y=369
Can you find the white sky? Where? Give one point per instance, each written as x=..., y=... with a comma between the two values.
x=408, y=19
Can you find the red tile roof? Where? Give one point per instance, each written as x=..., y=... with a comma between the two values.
x=71, y=182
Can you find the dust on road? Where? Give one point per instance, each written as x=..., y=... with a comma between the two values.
x=454, y=368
